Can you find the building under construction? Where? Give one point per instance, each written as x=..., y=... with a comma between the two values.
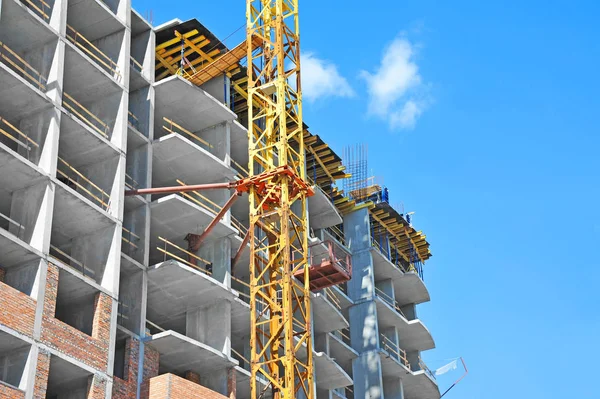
x=108, y=295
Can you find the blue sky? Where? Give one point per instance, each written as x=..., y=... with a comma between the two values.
x=500, y=165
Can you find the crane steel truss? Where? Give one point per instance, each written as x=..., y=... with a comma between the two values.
x=281, y=340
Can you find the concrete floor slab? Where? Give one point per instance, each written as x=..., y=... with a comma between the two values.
x=179, y=354
x=174, y=288
x=188, y=105
x=408, y=287
x=14, y=252
x=176, y=157
x=413, y=334
x=340, y=351
x=329, y=374
x=18, y=98
x=344, y=301
x=70, y=208
x=420, y=385
x=33, y=31
x=173, y=217
x=392, y=367
x=93, y=19
x=17, y=172
x=81, y=144
x=326, y=316
x=322, y=212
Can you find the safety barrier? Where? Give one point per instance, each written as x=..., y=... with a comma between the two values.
x=92, y=51
x=390, y=301
x=73, y=177
x=71, y=262
x=394, y=350
x=22, y=67
x=171, y=127
x=16, y=136
x=85, y=115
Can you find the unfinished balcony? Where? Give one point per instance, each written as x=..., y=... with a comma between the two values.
x=94, y=98
x=65, y=376
x=25, y=191
x=180, y=354
x=14, y=356
x=327, y=312
x=142, y=52
x=192, y=134
x=100, y=37
x=45, y=10
x=421, y=383
x=175, y=216
x=413, y=334
x=83, y=192
x=409, y=288
x=322, y=212
x=28, y=60
x=183, y=287
x=180, y=153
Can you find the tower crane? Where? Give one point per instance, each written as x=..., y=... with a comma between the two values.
x=281, y=278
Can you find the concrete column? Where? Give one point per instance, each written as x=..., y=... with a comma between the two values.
x=413, y=360
x=53, y=66
x=29, y=373
x=393, y=389
x=368, y=381
x=356, y=230
x=101, y=252
x=363, y=327
x=211, y=325
x=219, y=253
x=410, y=311
x=58, y=18
x=219, y=137
x=47, y=138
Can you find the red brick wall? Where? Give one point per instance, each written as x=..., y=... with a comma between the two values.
x=7, y=392
x=127, y=388
x=169, y=386
x=41, y=374
x=17, y=310
x=96, y=388
x=64, y=338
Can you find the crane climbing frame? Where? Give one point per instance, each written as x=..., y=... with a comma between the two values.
x=279, y=142
x=278, y=204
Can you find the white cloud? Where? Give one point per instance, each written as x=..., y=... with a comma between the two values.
x=396, y=88
x=320, y=79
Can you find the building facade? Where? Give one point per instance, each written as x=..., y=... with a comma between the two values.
x=107, y=295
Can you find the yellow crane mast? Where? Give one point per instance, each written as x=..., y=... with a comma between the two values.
x=281, y=338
